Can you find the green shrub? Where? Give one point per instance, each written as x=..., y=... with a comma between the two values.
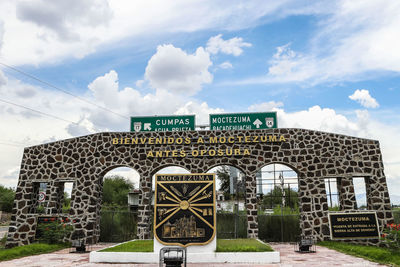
x=391, y=236
x=53, y=231
x=3, y=241
x=117, y=226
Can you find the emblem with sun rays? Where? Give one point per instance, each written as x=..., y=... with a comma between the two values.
x=184, y=209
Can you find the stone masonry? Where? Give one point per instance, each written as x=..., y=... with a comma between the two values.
x=85, y=160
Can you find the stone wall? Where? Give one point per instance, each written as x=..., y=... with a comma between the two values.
x=85, y=160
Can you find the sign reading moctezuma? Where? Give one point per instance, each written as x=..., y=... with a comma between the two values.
x=354, y=225
x=184, y=209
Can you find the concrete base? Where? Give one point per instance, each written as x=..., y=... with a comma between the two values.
x=221, y=257
x=193, y=256
x=209, y=248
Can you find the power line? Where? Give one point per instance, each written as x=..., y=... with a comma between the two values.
x=14, y=143
x=7, y=144
x=37, y=111
x=61, y=90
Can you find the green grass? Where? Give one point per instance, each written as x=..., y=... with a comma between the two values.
x=223, y=245
x=376, y=254
x=132, y=246
x=241, y=245
x=28, y=250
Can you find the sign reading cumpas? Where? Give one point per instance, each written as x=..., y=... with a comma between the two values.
x=184, y=209
x=163, y=123
x=353, y=225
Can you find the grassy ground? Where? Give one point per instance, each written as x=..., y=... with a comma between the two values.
x=376, y=254
x=132, y=246
x=241, y=245
x=28, y=250
x=223, y=245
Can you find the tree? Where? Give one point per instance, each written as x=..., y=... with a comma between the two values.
x=115, y=190
x=7, y=196
x=274, y=197
x=66, y=203
x=223, y=176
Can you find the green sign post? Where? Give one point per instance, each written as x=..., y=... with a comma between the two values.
x=163, y=123
x=243, y=121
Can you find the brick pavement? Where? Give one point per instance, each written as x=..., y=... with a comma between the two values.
x=323, y=257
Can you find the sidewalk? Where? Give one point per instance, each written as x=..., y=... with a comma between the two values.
x=323, y=257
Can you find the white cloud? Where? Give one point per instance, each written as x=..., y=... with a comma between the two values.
x=351, y=42
x=173, y=69
x=50, y=30
x=230, y=47
x=202, y=111
x=266, y=106
x=364, y=98
x=62, y=17
x=3, y=79
x=225, y=65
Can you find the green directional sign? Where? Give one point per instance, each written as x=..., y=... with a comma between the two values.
x=243, y=121
x=163, y=123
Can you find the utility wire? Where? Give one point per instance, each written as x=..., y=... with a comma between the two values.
x=62, y=90
x=13, y=143
x=37, y=111
x=7, y=144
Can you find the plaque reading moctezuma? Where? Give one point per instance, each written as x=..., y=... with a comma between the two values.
x=353, y=225
x=184, y=209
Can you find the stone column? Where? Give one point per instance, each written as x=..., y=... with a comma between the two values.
x=378, y=199
x=251, y=206
x=145, y=208
x=56, y=191
x=347, y=197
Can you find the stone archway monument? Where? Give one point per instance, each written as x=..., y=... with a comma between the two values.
x=84, y=160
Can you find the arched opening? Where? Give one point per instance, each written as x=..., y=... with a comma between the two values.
x=119, y=205
x=231, y=210
x=278, y=203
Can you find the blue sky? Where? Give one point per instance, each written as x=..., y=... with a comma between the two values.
x=324, y=65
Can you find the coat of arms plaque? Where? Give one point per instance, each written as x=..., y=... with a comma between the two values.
x=184, y=209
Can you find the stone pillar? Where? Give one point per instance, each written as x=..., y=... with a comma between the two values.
x=378, y=199
x=145, y=209
x=56, y=191
x=251, y=206
x=347, y=197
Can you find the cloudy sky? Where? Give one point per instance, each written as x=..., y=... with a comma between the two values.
x=70, y=68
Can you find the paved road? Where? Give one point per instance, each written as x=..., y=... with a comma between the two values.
x=323, y=257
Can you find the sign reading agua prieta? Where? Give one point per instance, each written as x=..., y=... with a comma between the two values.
x=184, y=209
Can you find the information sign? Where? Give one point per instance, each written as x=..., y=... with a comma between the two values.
x=184, y=209
x=163, y=123
x=243, y=121
x=353, y=225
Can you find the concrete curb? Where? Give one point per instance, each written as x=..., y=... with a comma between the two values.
x=220, y=257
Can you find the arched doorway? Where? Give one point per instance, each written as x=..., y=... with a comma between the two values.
x=231, y=209
x=278, y=203
x=119, y=204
